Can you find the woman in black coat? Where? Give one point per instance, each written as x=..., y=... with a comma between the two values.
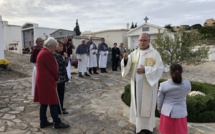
x=62, y=61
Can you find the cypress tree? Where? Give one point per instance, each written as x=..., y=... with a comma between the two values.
x=132, y=25
x=135, y=25
x=77, y=29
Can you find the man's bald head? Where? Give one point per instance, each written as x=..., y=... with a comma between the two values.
x=90, y=39
x=39, y=42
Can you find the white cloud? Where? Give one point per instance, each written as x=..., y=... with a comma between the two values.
x=97, y=15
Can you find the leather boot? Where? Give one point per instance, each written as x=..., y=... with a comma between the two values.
x=105, y=70
x=102, y=70
x=61, y=125
x=90, y=70
x=94, y=70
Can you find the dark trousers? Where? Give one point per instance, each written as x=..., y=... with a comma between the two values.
x=61, y=92
x=53, y=111
x=94, y=70
x=90, y=70
x=115, y=64
x=119, y=62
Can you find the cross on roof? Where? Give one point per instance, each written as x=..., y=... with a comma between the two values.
x=146, y=19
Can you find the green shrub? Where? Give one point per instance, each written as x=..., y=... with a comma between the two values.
x=200, y=108
x=126, y=96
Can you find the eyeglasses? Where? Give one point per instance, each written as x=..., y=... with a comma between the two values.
x=143, y=40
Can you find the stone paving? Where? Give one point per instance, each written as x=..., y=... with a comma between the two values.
x=94, y=103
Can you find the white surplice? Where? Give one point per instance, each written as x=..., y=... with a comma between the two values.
x=142, y=108
x=68, y=70
x=33, y=80
x=92, y=60
x=103, y=59
x=82, y=65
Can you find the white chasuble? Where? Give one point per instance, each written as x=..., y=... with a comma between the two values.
x=82, y=65
x=103, y=59
x=143, y=86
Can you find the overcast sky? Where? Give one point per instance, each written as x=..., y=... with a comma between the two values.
x=96, y=15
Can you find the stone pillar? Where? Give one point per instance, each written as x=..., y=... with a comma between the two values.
x=1, y=40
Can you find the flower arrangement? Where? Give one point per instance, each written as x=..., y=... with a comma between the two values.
x=195, y=93
x=4, y=63
x=74, y=63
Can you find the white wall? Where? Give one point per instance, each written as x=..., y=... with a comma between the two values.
x=124, y=39
x=112, y=37
x=12, y=34
x=134, y=35
x=211, y=56
x=133, y=42
x=152, y=30
x=42, y=32
x=1, y=40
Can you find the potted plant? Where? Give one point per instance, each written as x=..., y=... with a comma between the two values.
x=4, y=63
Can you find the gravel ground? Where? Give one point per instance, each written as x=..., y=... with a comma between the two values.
x=9, y=74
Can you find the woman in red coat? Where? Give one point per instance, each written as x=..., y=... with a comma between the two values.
x=45, y=89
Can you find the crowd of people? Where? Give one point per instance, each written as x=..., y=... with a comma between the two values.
x=52, y=70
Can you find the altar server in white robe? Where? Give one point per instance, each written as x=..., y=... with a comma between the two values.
x=92, y=62
x=103, y=51
x=36, y=49
x=82, y=53
x=146, y=67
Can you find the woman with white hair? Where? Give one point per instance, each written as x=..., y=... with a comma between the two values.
x=46, y=80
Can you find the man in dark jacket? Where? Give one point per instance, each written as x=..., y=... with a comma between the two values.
x=36, y=49
x=115, y=57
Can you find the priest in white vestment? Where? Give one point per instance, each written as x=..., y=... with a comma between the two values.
x=103, y=51
x=82, y=53
x=146, y=67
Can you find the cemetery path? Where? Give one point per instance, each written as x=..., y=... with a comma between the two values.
x=94, y=103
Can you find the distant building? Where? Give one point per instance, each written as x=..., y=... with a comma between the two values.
x=12, y=37
x=176, y=28
x=151, y=29
x=20, y=38
x=111, y=36
x=209, y=22
x=1, y=40
x=184, y=27
x=60, y=33
x=30, y=31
